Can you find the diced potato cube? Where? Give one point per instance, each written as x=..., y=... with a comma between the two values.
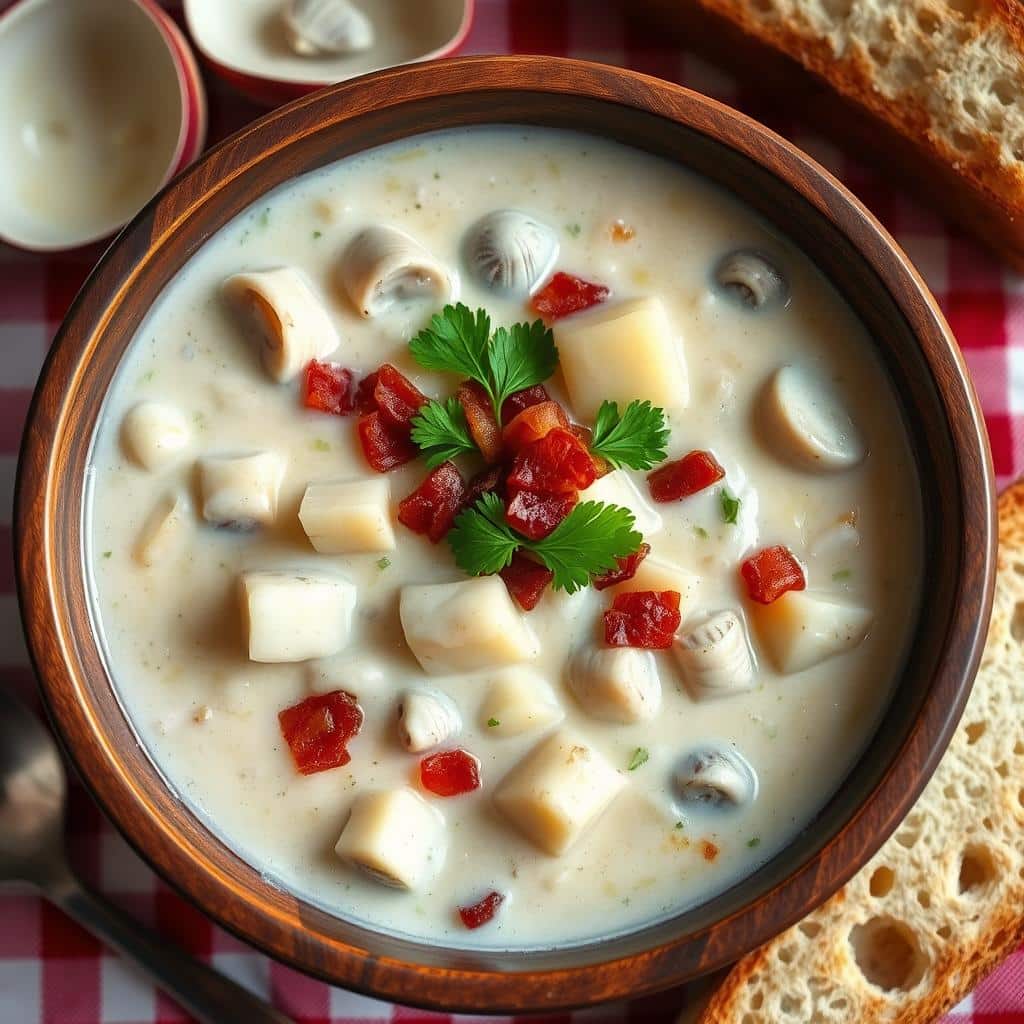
x=154, y=433
x=395, y=836
x=295, y=616
x=617, y=684
x=240, y=490
x=517, y=701
x=800, y=630
x=464, y=626
x=557, y=790
x=162, y=531
x=343, y=517
x=621, y=352
x=618, y=488
x=294, y=324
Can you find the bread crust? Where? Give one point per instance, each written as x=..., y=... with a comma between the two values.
x=964, y=956
x=839, y=96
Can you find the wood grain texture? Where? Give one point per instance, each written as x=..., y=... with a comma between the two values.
x=941, y=415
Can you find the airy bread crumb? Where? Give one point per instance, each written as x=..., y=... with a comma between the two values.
x=940, y=904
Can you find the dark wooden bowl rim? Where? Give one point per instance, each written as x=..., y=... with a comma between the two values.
x=955, y=468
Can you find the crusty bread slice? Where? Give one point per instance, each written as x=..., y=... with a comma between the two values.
x=942, y=902
x=930, y=90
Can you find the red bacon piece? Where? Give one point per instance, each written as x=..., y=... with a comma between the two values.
x=626, y=570
x=565, y=294
x=327, y=387
x=481, y=912
x=644, y=618
x=490, y=479
x=532, y=424
x=398, y=399
x=450, y=772
x=318, y=730
x=558, y=463
x=536, y=514
x=483, y=427
x=770, y=573
x=688, y=475
x=526, y=580
x=520, y=400
x=366, y=400
x=384, y=445
x=433, y=506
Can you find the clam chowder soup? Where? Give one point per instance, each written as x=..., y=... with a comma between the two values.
x=503, y=538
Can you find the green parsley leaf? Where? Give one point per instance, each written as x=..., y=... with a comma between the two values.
x=640, y=756
x=754, y=841
x=320, y=445
x=842, y=574
x=383, y=562
x=589, y=541
x=318, y=234
x=637, y=439
x=481, y=540
x=455, y=340
x=493, y=723
x=441, y=431
x=730, y=506
x=459, y=341
x=701, y=532
x=573, y=230
x=521, y=355
x=680, y=824
x=107, y=554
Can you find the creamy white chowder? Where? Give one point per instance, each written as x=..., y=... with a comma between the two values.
x=586, y=821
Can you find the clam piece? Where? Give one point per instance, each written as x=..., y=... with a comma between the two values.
x=752, y=279
x=806, y=422
x=616, y=684
x=716, y=777
x=326, y=26
x=426, y=718
x=383, y=265
x=714, y=657
x=511, y=252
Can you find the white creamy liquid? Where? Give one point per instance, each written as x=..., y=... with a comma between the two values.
x=208, y=716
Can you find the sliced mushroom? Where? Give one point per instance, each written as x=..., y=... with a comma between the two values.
x=714, y=657
x=752, y=279
x=716, y=777
x=154, y=433
x=806, y=423
x=426, y=718
x=509, y=251
x=383, y=265
x=327, y=26
x=617, y=684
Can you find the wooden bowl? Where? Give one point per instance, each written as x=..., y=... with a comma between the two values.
x=941, y=415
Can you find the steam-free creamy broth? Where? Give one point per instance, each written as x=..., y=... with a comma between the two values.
x=619, y=782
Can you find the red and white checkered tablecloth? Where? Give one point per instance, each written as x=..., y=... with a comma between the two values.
x=51, y=972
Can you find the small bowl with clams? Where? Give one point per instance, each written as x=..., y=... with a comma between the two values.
x=505, y=535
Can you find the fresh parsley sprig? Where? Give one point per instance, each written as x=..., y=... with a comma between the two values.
x=589, y=541
x=460, y=341
x=638, y=438
x=441, y=431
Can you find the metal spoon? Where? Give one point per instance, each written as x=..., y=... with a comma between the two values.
x=32, y=849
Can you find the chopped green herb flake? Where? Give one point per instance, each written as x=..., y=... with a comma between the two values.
x=265, y=217
x=680, y=824
x=730, y=506
x=320, y=445
x=437, y=175
x=573, y=230
x=383, y=563
x=701, y=532
x=318, y=234
x=493, y=723
x=107, y=554
x=640, y=756
x=842, y=574
x=754, y=841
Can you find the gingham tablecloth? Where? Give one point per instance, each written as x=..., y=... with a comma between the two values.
x=51, y=972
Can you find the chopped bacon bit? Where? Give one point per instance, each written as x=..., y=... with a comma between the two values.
x=490, y=479
x=532, y=424
x=480, y=913
x=622, y=232
x=384, y=445
x=450, y=772
x=398, y=399
x=770, y=573
x=565, y=294
x=644, y=618
x=526, y=580
x=602, y=467
x=433, y=506
x=535, y=514
x=626, y=570
x=520, y=400
x=556, y=464
x=480, y=416
x=318, y=730
x=366, y=400
x=688, y=475
x=708, y=850
x=327, y=387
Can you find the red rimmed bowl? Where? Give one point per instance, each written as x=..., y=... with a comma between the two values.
x=939, y=408
x=103, y=105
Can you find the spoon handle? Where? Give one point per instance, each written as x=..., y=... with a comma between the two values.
x=208, y=995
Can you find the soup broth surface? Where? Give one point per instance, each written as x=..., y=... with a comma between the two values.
x=208, y=715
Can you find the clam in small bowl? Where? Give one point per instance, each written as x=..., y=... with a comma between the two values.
x=937, y=406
